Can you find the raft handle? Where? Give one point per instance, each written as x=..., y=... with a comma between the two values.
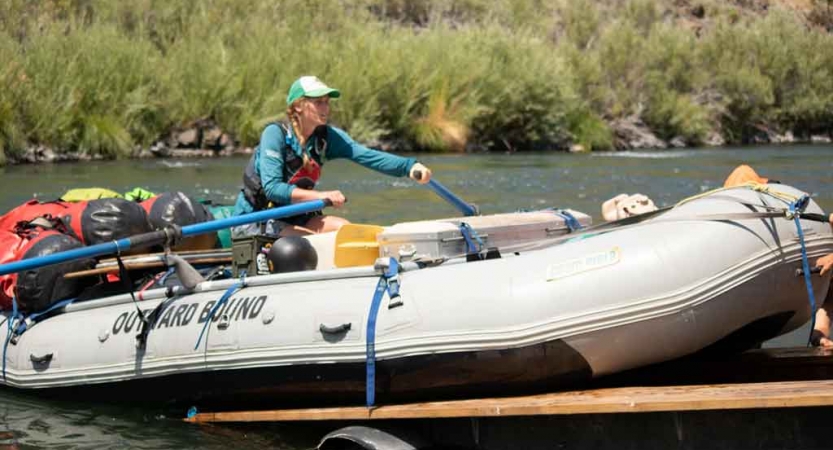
x=335, y=330
x=40, y=360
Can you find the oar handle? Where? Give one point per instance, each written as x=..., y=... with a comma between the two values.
x=467, y=209
x=815, y=217
x=161, y=236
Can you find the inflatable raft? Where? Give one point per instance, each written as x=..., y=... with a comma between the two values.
x=488, y=305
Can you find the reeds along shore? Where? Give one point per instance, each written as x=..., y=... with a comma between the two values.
x=106, y=77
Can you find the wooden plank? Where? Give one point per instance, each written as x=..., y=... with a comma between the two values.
x=144, y=257
x=180, y=253
x=792, y=394
x=142, y=266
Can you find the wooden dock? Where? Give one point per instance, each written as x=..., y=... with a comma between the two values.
x=802, y=378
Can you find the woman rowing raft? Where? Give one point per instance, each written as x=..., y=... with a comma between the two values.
x=286, y=165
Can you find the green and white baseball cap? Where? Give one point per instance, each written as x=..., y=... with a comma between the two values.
x=309, y=86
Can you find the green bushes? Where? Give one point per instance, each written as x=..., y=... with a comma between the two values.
x=103, y=78
x=81, y=90
x=773, y=73
x=672, y=82
x=741, y=74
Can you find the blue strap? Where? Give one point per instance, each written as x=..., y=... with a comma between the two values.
x=795, y=211
x=23, y=323
x=468, y=233
x=167, y=274
x=387, y=282
x=370, y=363
x=9, y=323
x=572, y=223
x=392, y=277
x=35, y=316
x=227, y=295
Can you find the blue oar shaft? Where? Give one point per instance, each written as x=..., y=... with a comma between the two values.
x=258, y=216
x=158, y=237
x=457, y=202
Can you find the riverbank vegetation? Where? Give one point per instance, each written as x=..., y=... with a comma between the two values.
x=106, y=78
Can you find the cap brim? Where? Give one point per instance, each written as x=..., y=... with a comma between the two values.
x=329, y=92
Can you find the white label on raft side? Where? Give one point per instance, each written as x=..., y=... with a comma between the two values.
x=580, y=265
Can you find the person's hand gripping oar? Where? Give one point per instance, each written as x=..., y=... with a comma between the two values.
x=422, y=175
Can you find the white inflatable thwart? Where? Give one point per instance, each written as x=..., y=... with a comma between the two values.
x=549, y=304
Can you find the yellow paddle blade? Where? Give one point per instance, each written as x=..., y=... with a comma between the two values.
x=356, y=245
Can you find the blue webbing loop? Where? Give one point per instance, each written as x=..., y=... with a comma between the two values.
x=34, y=316
x=801, y=203
x=392, y=288
x=468, y=233
x=227, y=295
x=795, y=209
x=572, y=223
x=167, y=274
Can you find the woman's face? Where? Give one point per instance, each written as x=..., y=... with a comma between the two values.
x=313, y=112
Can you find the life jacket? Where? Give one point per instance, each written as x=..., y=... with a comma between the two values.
x=37, y=289
x=176, y=208
x=294, y=171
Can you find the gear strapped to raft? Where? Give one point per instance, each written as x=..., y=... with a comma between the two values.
x=36, y=289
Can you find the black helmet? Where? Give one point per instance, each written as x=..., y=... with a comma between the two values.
x=292, y=254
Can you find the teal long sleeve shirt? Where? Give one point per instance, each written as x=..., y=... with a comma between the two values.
x=269, y=162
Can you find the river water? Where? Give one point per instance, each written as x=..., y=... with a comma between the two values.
x=495, y=182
